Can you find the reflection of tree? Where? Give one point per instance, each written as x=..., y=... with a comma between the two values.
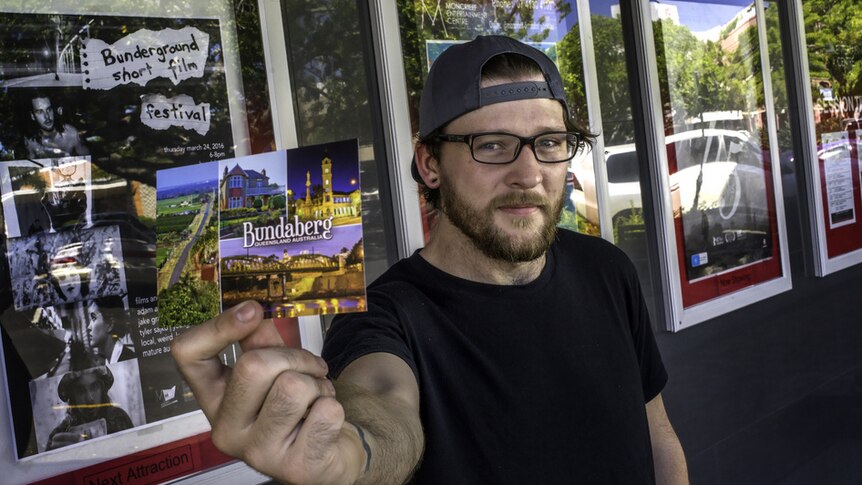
x=617, y=126
x=516, y=19
x=254, y=84
x=328, y=70
x=834, y=40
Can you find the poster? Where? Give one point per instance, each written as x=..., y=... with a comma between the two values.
x=838, y=174
x=724, y=212
x=536, y=20
x=91, y=108
x=720, y=192
x=290, y=231
x=137, y=94
x=841, y=196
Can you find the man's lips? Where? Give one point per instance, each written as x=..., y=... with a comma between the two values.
x=519, y=209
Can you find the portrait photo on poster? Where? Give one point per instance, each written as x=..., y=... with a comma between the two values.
x=86, y=404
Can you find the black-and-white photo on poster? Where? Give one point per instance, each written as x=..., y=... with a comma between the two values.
x=46, y=195
x=86, y=404
x=135, y=93
x=53, y=268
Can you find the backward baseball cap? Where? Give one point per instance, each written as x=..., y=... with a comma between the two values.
x=454, y=84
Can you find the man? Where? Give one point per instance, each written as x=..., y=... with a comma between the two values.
x=90, y=412
x=53, y=138
x=471, y=356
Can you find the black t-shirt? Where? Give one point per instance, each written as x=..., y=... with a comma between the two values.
x=538, y=383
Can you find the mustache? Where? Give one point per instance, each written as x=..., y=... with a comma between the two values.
x=522, y=198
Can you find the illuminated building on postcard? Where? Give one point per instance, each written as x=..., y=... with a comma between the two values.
x=323, y=202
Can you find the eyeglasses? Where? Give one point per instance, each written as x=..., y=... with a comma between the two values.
x=502, y=148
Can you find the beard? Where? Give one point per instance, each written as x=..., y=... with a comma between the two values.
x=478, y=225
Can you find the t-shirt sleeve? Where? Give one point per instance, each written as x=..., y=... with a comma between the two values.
x=653, y=373
x=379, y=329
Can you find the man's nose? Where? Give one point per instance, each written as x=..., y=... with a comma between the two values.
x=526, y=171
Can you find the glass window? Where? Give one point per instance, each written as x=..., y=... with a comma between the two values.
x=331, y=77
x=832, y=36
x=429, y=27
x=718, y=147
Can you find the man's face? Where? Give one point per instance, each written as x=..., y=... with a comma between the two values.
x=86, y=392
x=43, y=113
x=509, y=212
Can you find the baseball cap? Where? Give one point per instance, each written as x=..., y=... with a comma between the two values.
x=453, y=87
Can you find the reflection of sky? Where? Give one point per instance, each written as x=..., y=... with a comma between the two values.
x=345, y=166
x=697, y=16
x=273, y=162
x=175, y=177
x=342, y=237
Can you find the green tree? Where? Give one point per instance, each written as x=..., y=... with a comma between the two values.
x=834, y=39
x=277, y=202
x=188, y=302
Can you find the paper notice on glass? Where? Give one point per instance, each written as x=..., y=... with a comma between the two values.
x=145, y=55
x=160, y=113
x=839, y=191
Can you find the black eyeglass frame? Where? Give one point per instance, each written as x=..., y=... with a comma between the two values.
x=580, y=144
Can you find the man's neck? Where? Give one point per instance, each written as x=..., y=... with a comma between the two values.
x=451, y=251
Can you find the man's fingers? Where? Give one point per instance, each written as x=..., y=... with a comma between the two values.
x=316, y=447
x=196, y=352
x=266, y=335
x=281, y=419
x=269, y=389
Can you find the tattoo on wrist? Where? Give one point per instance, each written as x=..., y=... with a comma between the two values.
x=365, y=446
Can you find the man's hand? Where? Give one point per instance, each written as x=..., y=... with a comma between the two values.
x=275, y=409
x=60, y=440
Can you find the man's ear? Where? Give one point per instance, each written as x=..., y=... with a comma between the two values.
x=427, y=165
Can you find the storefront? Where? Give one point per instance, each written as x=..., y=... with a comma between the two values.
x=726, y=165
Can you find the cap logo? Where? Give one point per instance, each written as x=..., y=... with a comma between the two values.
x=513, y=92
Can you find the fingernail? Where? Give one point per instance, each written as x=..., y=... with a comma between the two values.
x=330, y=387
x=323, y=364
x=245, y=312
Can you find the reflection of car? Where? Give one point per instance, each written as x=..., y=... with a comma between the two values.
x=718, y=189
x=851, y=124
x=621, y=163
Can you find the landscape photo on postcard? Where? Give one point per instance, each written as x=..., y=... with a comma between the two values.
x=291, y=231
x=187, y=244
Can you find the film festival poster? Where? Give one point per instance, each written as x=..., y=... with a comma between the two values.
x=84, y=125
x=290, y=231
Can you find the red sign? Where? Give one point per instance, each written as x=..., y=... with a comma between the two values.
x=156, y=465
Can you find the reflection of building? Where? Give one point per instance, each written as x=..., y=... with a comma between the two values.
x=241, y=188
x=737, y=26
x=326, y=202
x=658, y=11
